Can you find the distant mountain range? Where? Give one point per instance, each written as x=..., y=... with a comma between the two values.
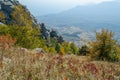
x=106, y=14
x=73, y=23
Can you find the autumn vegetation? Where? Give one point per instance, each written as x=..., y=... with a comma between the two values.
x=20, y=65
x=99, y=60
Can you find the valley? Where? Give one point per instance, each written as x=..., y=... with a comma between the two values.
x=80, y=23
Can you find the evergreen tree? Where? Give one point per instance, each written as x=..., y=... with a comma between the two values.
x=60, y=39
x=53, y=34
x=83, y=50
x=43, y=31
x=57, y=47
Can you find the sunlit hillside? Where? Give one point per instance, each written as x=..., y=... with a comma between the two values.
x=29, y=65
x=31, y=51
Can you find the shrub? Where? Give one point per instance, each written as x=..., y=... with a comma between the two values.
x=21, y=17
x=105, y=47
x=4, y=30
x=6, y=42
x=74, y=48
x=2, y=17
x=27, y=37
x=83, y=50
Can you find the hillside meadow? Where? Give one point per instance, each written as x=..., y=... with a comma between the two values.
x=20, y=64
x=21, y=34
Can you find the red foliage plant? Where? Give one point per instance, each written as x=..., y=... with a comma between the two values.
x=6, y=42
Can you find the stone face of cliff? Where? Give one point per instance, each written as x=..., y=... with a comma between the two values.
x=6, y=7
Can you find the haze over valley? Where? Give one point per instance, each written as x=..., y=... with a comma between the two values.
x=85, y=20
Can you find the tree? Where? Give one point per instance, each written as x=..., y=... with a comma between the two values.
x=105, y=47
x=21, y=17
x=45, y=33
x=66, y=46
x=60, y=39
x=73, y=48
x=62, y=50
x=52, y=50
x=26, y=36
x=2, y=17
x=83, y=50
x=53, y=34
x=4, y=30
x=57, y=47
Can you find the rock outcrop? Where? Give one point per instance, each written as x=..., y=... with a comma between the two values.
x=7, y=7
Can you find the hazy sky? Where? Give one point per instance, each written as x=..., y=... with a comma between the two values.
x=43, y=7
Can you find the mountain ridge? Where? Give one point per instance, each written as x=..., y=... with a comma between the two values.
x=106, y=13
x=89, y=18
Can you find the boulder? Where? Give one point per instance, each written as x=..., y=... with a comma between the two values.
x=39, y=50
x=23, y=50
x=1, y=23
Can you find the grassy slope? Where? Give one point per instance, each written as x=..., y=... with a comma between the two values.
x=21, y=65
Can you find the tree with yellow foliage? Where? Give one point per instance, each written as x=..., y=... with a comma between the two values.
x=73, y=48
x=2, y=17
x=21, y=17
x=52, y=49
x=67, y=48
x=104, y=47
x=26, y=36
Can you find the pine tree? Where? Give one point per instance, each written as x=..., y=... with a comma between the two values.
x=57, y=47
x=60, y=39
x=83, y=50
x=53, y=34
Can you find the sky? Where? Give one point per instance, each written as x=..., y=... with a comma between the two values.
x=44, y=7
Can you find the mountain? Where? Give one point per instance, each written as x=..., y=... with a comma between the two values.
x=106, y=14
x=88, y=18
x=17, y=22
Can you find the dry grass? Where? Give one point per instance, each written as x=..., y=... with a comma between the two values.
x=20, y=65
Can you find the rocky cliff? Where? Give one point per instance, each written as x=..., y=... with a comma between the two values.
x=7, y=7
